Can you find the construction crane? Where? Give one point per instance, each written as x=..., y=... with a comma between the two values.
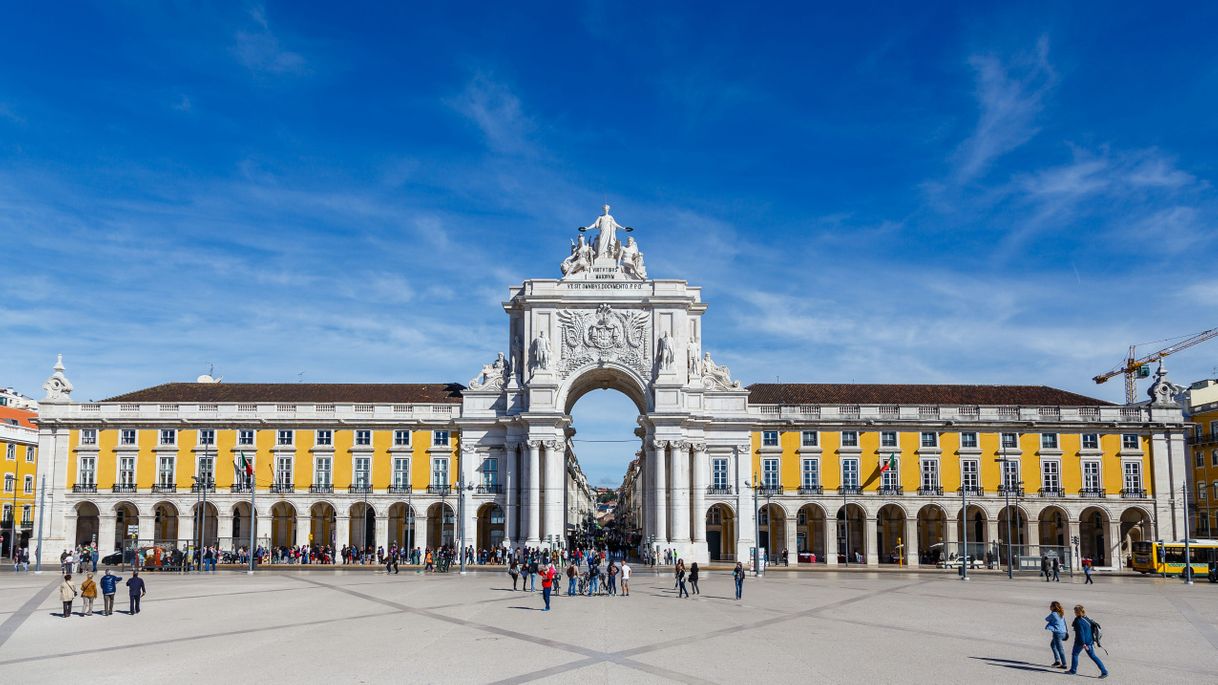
x=1136, y=367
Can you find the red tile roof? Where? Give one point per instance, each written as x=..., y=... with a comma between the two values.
x=842, y=393
x=307, y=393
x=23, y=417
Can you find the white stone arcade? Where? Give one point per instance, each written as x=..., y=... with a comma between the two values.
x=604, y=325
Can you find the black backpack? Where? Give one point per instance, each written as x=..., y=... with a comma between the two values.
x=1097, y=634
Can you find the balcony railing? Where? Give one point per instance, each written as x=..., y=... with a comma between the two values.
x=322, y=488
x=238, y=488
x=720, y=490
x=282, y=488
x=489, y=489
x=1093, y=492
x=931, y=490
x=164, y=487
x=1016, y=490
x=972, y=490
x=399, y=489
x=81, y=487
x=363, y=489
x=124, y=488
x=769, y=490
x=811, y=490
x=891, y=490
x=1202, y=439
x=1051, y=492
x=439, y=489
x=850, y=490
x=1133, y=493
x=209, y=486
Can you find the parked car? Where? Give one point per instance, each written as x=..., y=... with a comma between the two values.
x=114, y=558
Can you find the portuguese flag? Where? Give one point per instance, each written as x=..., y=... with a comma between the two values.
x=888, y=464
x=243, y=465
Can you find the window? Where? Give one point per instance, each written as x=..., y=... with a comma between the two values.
x=490, y=471
x=206, y=469
x=1050, y=475
x=888, y=439
x=284, y=438
x=1201, y=488
x=769, y=438
x=323, y=471
x=969, y=477
x=30, y=451
x=810, y=474
x=719, y=474
x=769, y=473
x=363, y=438
x=164, y=471
x=126, y=472
x=1091, y=441
x=890, y=477
x=401, y=438
x=1216, y=489
x=930, y=473
x=1129, y=441
x=440, y=438
x=1010, y=441
x=1133, y=475
x=126, y=436
x=850, y=438
x=245, y=437
x=169, y=436
x=1213, y=428
x=968, y=440
x=88, y=471
x=1214, y=458
x=401, y=472
x=207, y=437
x=27, y=514
x=763, y=516
x=10, y=482
x=809, y=439
x=850, y=473
x=11, y=452
x=283, y=468
x=1048, y=441
x=1091, y=475
x=930, y=439
x=363, y=472
x=1199, y=458
x=439, y=469
x=1010, y=474
x=325, y=438
x=8, y=513
x=88, y=436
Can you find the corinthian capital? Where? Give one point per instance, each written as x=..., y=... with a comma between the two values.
x=552, y=444
x=659, y=444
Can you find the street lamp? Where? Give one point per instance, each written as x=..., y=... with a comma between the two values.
x=1006, y=487
x=964, y=530
x=756, y=528
x=1188, y=559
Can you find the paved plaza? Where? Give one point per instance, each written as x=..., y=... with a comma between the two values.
x=303, y=626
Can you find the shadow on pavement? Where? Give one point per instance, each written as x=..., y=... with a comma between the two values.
x=1018, y=665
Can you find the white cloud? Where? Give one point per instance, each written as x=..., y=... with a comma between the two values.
x=498, y=114
x=260, y=50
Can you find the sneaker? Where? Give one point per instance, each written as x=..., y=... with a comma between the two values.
x=1103, y=675
x=1071, y=673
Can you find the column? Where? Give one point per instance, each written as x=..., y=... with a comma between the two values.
x=1033, y=539
x=532, y=527
x=420, y=530
x=909, y=538
x=870, y=553
x=646, y=492
x=1112, y=537
x=382, y=531
x=679, y=461
x=830, y=540
x=342, y=531
x=791, y=525
x=510, y=478
x=105, y=533
x=147, y=524
x=224, y=529
x=660, y=452
x=698, y=494
x=555, y=488
x=1075, y=550
x=992, y=537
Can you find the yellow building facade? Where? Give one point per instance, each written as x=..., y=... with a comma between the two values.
x=18, y=472
x=1203, y=457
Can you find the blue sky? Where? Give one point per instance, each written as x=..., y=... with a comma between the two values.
x=929, y=193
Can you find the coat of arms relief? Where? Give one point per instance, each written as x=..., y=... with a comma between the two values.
x=605, y=335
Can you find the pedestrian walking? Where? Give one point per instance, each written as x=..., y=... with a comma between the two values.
x=1055, y=623
x=613, y=571
x=533, y=570
x=572, y=577
x=429, y=562
x=625, y=578
x=1057, y=568
x=1045, y=565
x=88, y=593
x=514, y=572
x=1087, y=573
x=738, y=576
x=547, y=583
x=1086, y=636
x=109, y=585
x=67, y=594
x=693, y=577
x=135, y=592
x=681, y=590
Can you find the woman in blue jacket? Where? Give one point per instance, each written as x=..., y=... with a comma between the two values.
x=1084, y=639
x=1055, y=623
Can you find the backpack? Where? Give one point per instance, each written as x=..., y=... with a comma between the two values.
x=1096, y=633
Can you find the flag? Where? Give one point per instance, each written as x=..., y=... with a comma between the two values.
x=890, y=464
x=243, y=464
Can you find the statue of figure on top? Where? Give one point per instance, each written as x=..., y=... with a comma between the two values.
x=580, y=259
x=492, y=376
x=631, y=260
x=717, y=377
x=606, y=237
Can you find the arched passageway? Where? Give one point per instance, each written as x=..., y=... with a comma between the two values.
x=490, y=526
x=932, y=534
x=978, y=540
x=721, y=533
x=850, y=524
x=240, y=530
x=810, y=534
x=1093, y=538
x=322, y=521
x=125, y=515
x=1135, y=527
x=208, y=525
x=772, y=524
x=88, y=521
x=283, y=524
x=890, y=534
x=165, y=523
x=441, y=529
x=1054, y=533
x=362, y=526
x=401, y=525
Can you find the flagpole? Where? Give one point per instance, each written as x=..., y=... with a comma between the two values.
x=253, y=513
